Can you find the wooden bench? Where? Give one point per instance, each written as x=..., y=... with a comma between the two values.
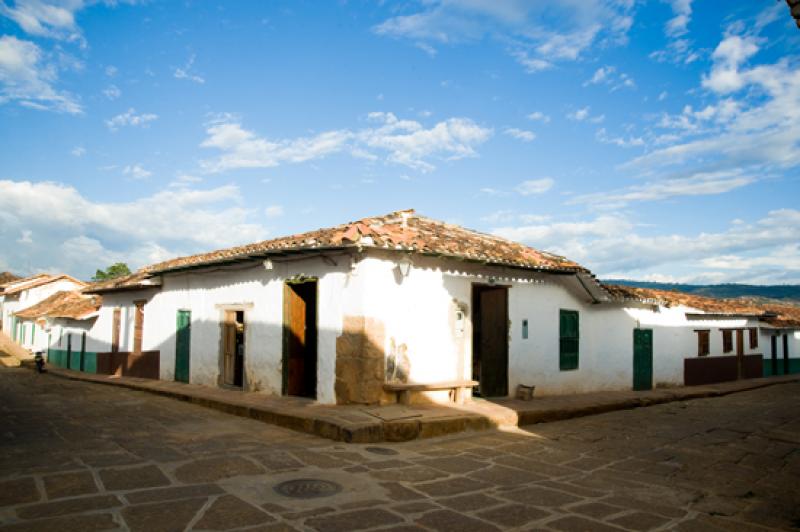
x=404, y=389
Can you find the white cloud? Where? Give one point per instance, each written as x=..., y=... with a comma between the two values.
x=26, y=237
x=583, y=114
x=729, y=55
x=535, y=186
x=404, y=142
x=88, y=234
x=701, y=184
x=536, y=34
x=500, y=216
x=538, y=116
x=678, y=25
x=78, y=151
x=112, y=92
x=130, y=118
x=27, y=79
x=273, y=211
x=111, y=71
x=764, y=251
x=136, y=172
x=45, y=19
x=185, y=72
x=608, y=75
x=520, y=134
x=622, y=142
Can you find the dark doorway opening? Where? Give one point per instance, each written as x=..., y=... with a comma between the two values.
x=490, y=339
x=786, y=370
x=774, y=353
x=233, y=348
x=300, y=339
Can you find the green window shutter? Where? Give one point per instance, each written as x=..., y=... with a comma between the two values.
x=568, y=340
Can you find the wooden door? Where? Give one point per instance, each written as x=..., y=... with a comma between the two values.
x=493, y=341
x=69, y=350
x=740, y=353
x=786, y=368
x=138, y=327
x=642, y=359
x=229, y=347
x=115, y=327
x=300, y=339
x=182, y=345
x=774, y=353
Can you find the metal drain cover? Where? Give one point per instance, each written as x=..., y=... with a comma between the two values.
x=380, y=450
x=307, y=488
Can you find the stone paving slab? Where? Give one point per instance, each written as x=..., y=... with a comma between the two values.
x=358, y=424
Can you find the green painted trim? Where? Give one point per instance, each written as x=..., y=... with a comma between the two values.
x=794, y=366
x=58, y=358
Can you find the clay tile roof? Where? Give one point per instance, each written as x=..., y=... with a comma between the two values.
x=37, y=280
x=401, y=230
x=773, y=314
x=19, y=281
x=138, y=279
x=74, y=305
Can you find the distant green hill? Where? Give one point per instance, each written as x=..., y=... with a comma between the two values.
x=778, y=291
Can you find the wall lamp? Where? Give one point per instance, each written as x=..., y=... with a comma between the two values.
x=405, y=265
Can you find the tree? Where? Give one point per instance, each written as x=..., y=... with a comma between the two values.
x=112, y=272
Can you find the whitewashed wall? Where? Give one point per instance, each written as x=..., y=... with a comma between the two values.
x=28, y=298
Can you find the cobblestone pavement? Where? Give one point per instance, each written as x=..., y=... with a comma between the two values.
x=77, y=456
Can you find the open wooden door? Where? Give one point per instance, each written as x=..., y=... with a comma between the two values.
x=300, y=339
x=490, y=339
x=115, y=328
x=229, y=347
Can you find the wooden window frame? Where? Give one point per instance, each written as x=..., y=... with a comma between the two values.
x=753, y=337
x=703, y=342
x=727, y=340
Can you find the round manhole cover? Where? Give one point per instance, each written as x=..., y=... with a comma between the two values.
x=380, y=450
x=307, y=488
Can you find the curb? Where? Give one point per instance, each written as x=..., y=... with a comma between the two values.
x=381, y=431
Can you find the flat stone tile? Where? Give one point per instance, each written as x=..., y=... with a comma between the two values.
x=398, y=492
x=213, y=469
x=133, y=478
x=471, y=502
x=68, y=506
x=597, y=510
x=513, y=515
x=506, y=476
x=408, y=474
x=355, y=520
x=172, y=516
x=640, y=521
x=72, y=523
x=18, y=491
x=540, y=497
x=69, y=484
x=448, y=520
x=454, y=464
x=229, y=512
x=173, y=493
x=277, y=461
x=580, y=524
x=411, y=508
x=110, y=459
x=450, y=486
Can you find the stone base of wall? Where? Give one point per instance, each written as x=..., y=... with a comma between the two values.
x=360, y=361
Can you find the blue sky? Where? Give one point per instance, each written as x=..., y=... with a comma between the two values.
x=645, y=140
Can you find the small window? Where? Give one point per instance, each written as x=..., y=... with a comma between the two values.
x=702, y=343
x=753, y=331
x=568, y=340
x=727, y=341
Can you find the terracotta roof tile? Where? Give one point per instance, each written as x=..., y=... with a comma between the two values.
x=138, y=279
x=74, y=305
x=402, y=230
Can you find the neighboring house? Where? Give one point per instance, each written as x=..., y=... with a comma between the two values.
x=61, y=324
x=24, y=293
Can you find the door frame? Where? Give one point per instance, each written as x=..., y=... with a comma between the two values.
x=287, y=331
x=234, y=307
x=475, y=290
x=635, y=332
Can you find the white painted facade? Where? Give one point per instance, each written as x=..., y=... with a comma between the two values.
x=419, y=313
x=27, y=298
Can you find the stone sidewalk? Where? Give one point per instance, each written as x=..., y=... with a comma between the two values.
x=395, y=423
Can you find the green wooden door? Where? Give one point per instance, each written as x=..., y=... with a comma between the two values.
x=182, y=341
x=569, y=340
x=642, y=359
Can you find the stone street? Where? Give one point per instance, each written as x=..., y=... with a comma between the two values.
x=79, y=456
